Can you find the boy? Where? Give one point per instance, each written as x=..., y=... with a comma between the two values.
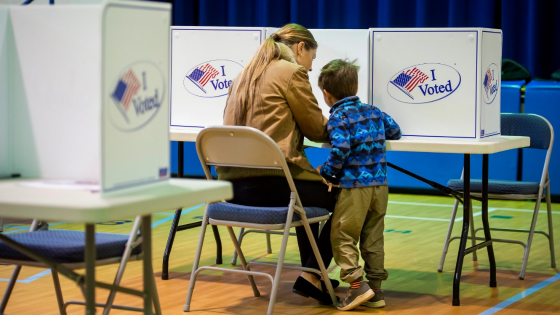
x=357, y=163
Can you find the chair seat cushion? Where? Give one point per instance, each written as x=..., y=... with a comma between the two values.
x=262, y=215
x=498, y=186
x=66, y=246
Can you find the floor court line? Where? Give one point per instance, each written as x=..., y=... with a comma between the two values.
x=474, y=207
x=521, y=295
x=415, y=218
x=32, y=278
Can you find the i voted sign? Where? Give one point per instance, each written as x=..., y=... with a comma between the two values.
x=424, y=83
x=137, y=95
x=490, y=84
x=211, y=78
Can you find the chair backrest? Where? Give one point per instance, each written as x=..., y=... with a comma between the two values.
x=537, y=128
x=237, y=146
x=529, y=125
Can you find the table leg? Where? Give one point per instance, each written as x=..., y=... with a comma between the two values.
x=147, y=263
x=90, y=269
x=465, y=230
x=485, y=224
x=169, y=246
x=180, y=159
x=218, y=244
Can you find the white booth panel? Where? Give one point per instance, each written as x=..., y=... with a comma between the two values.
x=490, y=78
x=89, y=93
x=204, y=61
x=341, y=44
x=5, y=160
x=135, y=95
x=429, y=81
x=55, y=91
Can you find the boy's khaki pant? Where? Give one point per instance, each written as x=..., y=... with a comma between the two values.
x=359, y=216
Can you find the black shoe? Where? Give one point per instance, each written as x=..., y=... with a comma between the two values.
x=42, y=226
x=306, y=289
x=334, y=283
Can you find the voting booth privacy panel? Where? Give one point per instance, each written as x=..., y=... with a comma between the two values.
x=88, y=93
x=204, y=60
x=4, y=131
x=438, y=83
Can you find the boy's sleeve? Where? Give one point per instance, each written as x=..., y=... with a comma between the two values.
x=340, y=141
x=392, y=129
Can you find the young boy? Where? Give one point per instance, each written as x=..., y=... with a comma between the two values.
x=357, y=163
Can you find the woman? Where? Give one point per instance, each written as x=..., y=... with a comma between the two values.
x=273, y=94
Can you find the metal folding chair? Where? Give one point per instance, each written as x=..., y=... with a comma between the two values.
x=542, y=137
x=66, y=248
x=250, y=148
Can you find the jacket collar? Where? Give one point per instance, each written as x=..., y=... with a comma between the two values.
x=346, y=100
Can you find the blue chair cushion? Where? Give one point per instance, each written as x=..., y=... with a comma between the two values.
x=66, y=246
x=498, y=186
x=261, y=215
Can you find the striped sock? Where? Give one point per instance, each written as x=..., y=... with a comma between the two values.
x=355, y=284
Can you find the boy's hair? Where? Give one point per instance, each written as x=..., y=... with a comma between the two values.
x=340, y=78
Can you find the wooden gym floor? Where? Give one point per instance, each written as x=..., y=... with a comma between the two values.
x=415, y=229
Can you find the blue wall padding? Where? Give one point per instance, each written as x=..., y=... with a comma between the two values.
x=191, y=166
x=501, y=165
x=511, y=96
x=437, y=167
x=543, y=98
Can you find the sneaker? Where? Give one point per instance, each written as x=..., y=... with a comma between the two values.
x=377, y=301
x=355, y=297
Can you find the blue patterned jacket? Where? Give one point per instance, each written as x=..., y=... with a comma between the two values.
x=358, y=132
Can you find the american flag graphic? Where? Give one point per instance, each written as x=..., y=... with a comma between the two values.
x=125, y=90
x=487, y=80
x=409, y=80
x=201, y=75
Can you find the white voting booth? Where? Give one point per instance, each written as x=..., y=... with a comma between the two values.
x=4, y=131
x=88, y=93
x=438, y=83
x=204, y=61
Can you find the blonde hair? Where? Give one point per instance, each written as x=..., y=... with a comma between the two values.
x=275, y=47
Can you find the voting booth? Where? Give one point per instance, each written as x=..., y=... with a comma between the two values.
x=88, y=93
x=4, y=131
x=204, y=61
x=438, y=83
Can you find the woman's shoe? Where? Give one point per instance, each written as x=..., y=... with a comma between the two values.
x=306, y=289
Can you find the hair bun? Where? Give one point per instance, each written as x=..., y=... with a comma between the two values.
x=275, y=37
